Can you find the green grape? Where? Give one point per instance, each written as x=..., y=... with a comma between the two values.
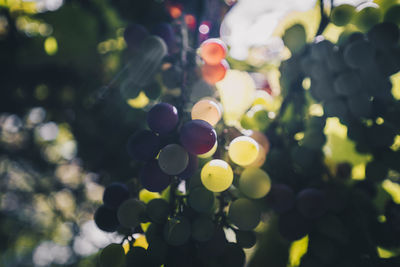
x=367, y=17
x=393, y=14
x=247, y=122
x=244, y=214
x=359, y=54
x=342, y=15
x=217, y=175
x=295, y=38
x=173, y=159
x=130, y=213
x=153, y=233
x=203, y=229
x=347, y=83
x=243, y=150
x=336, y=108
x=201, y=199
x=177, y=231
x=384, y=35
x=246, y=239
x=254, y=183
x=137, y=256
x=153, y=91
x=360, y=105
x=112, y=256
x=260, y=117
x=158, y=210
x=158, y=251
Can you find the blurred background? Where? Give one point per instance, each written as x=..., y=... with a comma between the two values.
x=64, y=123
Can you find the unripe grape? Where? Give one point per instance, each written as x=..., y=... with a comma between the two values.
x=217, y=175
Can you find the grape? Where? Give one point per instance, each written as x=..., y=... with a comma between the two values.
x=348, y=83
x=260, y=138
x=384, y=35
x=359, y=54
x=244, y=214
x=203, y=229
x=321, y=90
x=190, y=168
x=367, y=17
x=158, y=252
x=158, y=210
x=143, y=145
x=217, y=175
x=153, y=90
x=198, y=136
x=154, y=233
x=335, y=61
x=214, y=73
x=320, y=49
x=233, y=256
x=212, y=51
x=130, y=212
x=246, y=239
x=281, y=198
x=162, y=118
x=254, y=183
x=112, y=256
x=295, y=38
x=215, y=246
x=243, y=150
x=293, y=226
x=311, y=203
x=393, y=14
x=166, y=32
x=115, y=194
x=207, y=110
x=260, y=160
x=172, y=77
x=341, y=15
x=137, y=256
x=153, y=178
x=134, y=34
x=200, y=199
x=106, y=219
x=173, y=159
x=177, y=231
x=360, y=105
x=209, y=153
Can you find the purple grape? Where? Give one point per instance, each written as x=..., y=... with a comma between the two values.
x=106, y=219
x=153, y=178
x=134, y=34
x=166, y=32
x=281, y=198
x=190, y=168
x=162, y=118
x=198, y=136
x=311, y=203
x=293, y=226
x=115, y=194
x=144, y=145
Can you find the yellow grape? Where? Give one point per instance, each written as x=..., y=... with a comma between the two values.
x=261, y=157
x=217, y=175
x=254, y=182
x=243, y=150
x=207, y=110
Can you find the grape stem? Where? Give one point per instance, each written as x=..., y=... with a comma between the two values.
x=324, y=18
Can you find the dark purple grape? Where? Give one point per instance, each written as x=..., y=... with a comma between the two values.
x=293, y=226
x=115, y=194
x=166, y=32
x=144, y=145
x=153, y=178
x=281, y=198
x=198, y=136
x=162, y=118
x=134, y=34
x=106, y=219
x=190, y=168
x=311, y=203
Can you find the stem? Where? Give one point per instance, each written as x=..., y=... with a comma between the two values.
x=324, y=19
x=172, y=194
